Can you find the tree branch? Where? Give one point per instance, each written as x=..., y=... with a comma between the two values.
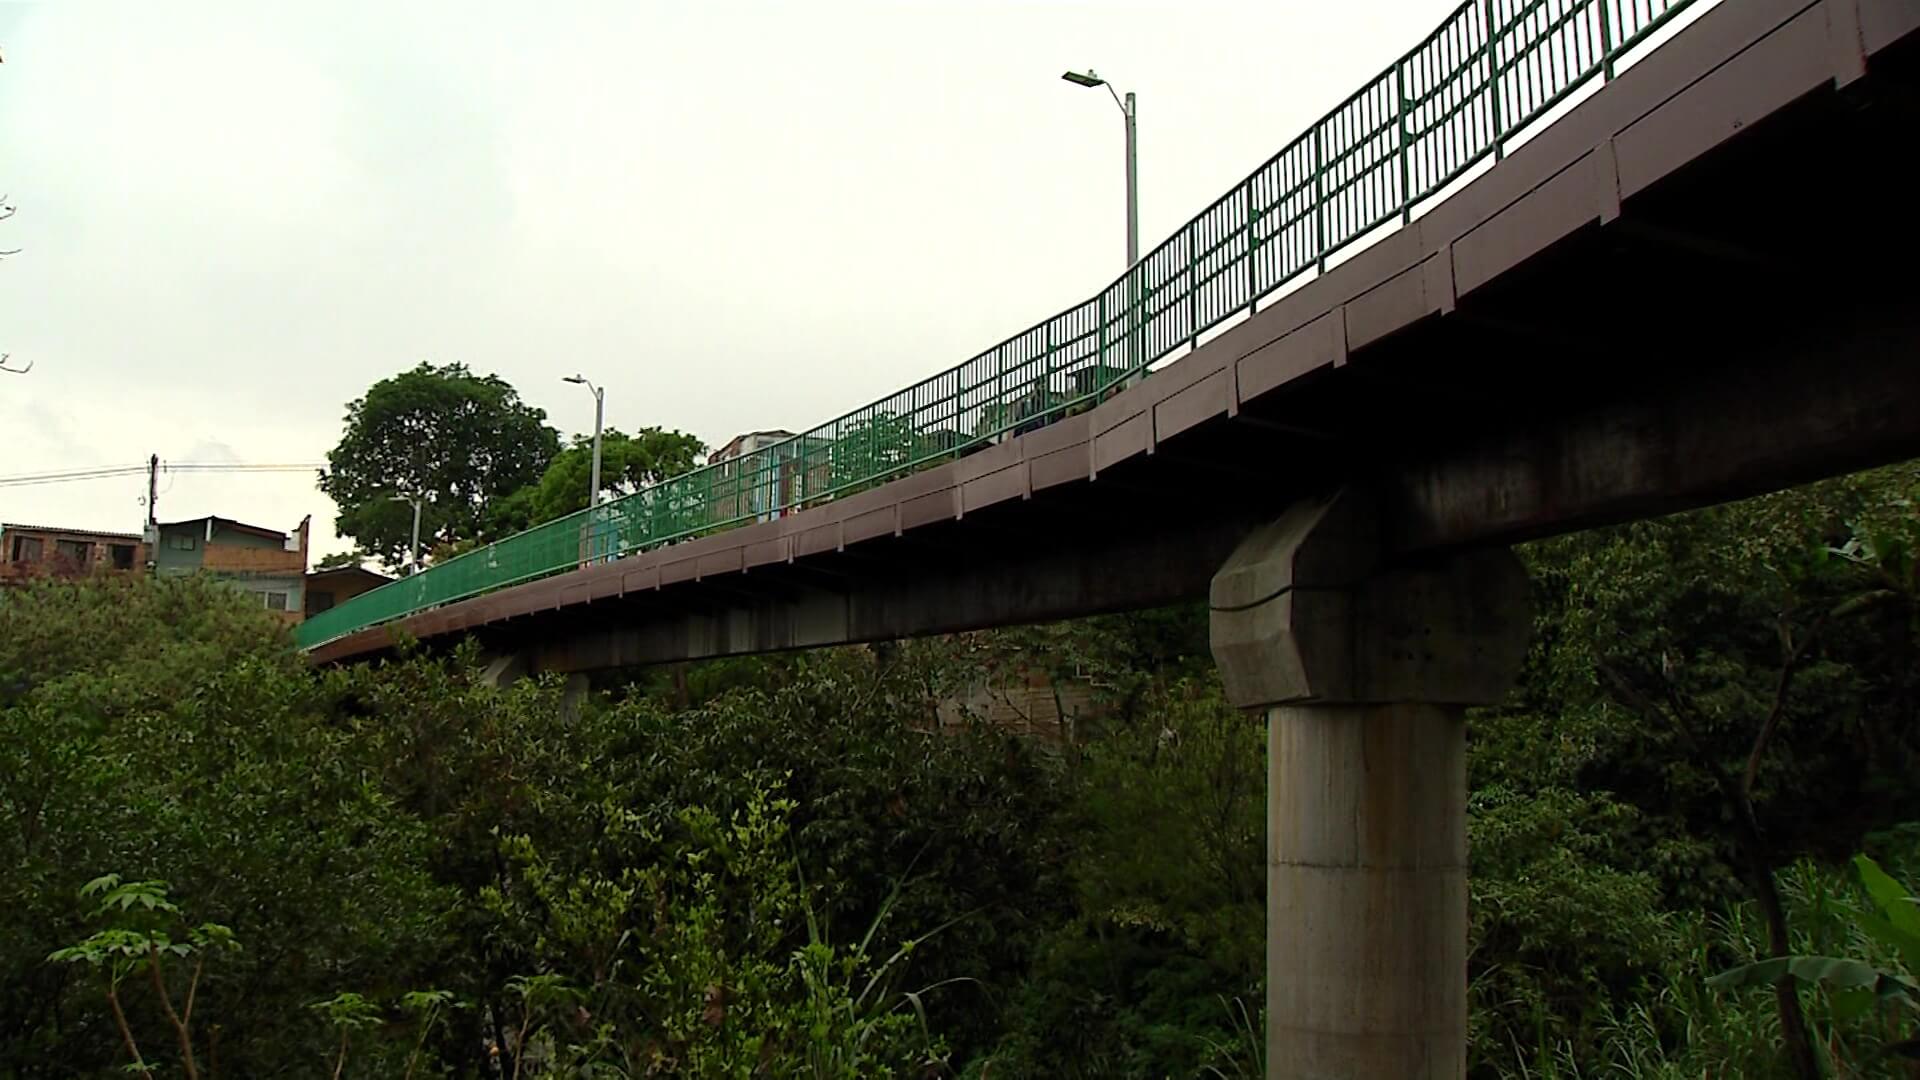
x=120, y=1018
x=1789, y=665
x=193, y=985
x=166, y=1002
x=1766, y=890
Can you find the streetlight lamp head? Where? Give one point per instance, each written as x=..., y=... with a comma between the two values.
x=573, y=378
x=1088, y=79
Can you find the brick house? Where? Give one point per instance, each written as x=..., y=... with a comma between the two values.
x=265, y=563
x=30, y=551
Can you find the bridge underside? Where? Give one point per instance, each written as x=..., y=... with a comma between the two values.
x=1697, y=286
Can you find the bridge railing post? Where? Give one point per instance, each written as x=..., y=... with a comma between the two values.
x=1605, y=9
x=1492, y=47
x=1406, y=151
x=1102, y=362
x=1136, y=323
x=1319, y=197
x=1194, y=233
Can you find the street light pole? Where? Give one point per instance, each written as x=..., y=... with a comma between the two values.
x=413, y=549
x=599, y=413
x=1129, y=109
x=590, y=540
x=414, y=565
x=1133, y=183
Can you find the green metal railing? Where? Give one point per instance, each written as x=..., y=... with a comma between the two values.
x=1491, y=69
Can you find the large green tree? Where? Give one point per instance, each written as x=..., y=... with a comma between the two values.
x=455, y=439
x=627, y=464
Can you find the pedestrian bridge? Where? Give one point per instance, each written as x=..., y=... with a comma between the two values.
x=1464, y=309
x=1566, y=261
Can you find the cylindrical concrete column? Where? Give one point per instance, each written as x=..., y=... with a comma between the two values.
x=1366, y=891
x=1365, y=669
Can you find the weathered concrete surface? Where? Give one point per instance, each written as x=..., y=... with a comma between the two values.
x=1366, y=892
x=1365, y=669
x=1695, y=286
x=505, y=669
x=1305, y=611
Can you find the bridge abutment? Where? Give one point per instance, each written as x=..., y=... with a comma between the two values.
x=1365, y=671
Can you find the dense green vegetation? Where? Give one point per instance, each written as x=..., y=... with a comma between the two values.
x=784, y=867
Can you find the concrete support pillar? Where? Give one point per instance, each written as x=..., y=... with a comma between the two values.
x=573, y=695
x=504, y=670
x=1365, y=671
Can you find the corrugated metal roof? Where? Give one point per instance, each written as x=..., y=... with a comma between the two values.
x=12, y=526
x=345, y=570
x=276, y=534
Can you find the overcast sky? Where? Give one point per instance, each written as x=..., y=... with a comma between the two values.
x=235, y=217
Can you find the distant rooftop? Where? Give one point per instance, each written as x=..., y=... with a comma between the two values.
x=11, y=526
x=228, y=523
x=343, y=571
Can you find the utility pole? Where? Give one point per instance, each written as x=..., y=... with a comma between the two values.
x=151, y=535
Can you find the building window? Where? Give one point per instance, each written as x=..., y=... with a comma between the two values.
x=122, y=555
x=276, y=601
x=180, y=541
x=80, y=551
x=26, y=549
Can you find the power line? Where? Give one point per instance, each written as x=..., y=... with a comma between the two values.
x=70, y=476
x=239, y=467
x=107, y=472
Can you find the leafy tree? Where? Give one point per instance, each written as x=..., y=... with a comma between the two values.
x=627, y=464
x=1169, y=924
x=1727, y=690
x=456, y=439
x=144, y=930
x=165, y=728
x=972, y=820
x=341, y=559
x=1677, y=1022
